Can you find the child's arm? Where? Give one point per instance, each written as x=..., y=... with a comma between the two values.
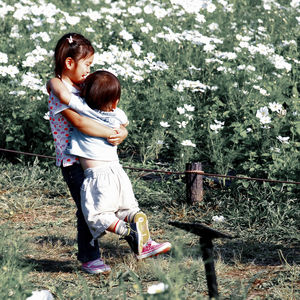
x=56, y=86
x=122, y=132
x=91, y=127
x=119, y=137
x=82, y=123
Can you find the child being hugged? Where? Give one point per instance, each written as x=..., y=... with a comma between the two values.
x=107, y=199
x=73, y=56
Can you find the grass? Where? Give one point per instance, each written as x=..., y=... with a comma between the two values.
x=256, y=66
x=38, y=246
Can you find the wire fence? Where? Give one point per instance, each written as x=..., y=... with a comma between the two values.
x=170, y=172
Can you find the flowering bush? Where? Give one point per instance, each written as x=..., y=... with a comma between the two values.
x=214, y=81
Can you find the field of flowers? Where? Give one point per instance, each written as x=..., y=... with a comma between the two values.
x=214, y=81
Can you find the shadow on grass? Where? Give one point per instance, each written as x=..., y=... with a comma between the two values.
x=263, y=254
x=51, y=266
x=108, y=250
x=246, y=252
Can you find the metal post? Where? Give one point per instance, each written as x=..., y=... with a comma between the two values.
x=206, y=246
x=207, y=234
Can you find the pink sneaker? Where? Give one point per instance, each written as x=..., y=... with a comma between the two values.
x=96, y=266
x=151, y=248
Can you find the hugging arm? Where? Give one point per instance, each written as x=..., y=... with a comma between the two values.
x=119, y=136
x=82, y=123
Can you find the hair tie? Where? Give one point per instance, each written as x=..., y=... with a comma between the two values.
x=70, y=39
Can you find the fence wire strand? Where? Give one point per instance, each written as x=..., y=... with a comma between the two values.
x=169, y=172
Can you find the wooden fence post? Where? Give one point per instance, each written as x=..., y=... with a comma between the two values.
x=194, y=183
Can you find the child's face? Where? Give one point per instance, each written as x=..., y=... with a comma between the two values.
x=81, y=69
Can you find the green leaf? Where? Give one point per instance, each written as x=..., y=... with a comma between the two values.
x=243, y=133
x=298, y=127
x=245, y=184
x=9, y=139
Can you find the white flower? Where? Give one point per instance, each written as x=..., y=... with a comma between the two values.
x=264, y=92
x=181, y=110
x=134, y=10
x=263, y=115
x=189, y=107
x=182, y=124
x=164, y=124
x=160, y=12
x=15, y=32
x=274, y=106
x=295, y=3
x=9, y=70
x=104, y=58
x=5, y=9
x=261, y=90
x=144, y=29
x=213, y=26
x=92, y=14
x=250, y=68
x=188, y=143
x=46, y=115
x=157, y=288
x=149, y=26
x=190, y=6
x=126, y=35
x=43, y=35
x=150, y=56
x=3, y=58
x=195, y=86
x=227, y=55
x=265, y=120
x=283, y=112
x=283, y=140
x=217, y=126
x=31, y=82
x=280, y=63
x=178, y=87
x=158, y=66
x=148, y=9
x=72, y=20
x=209, y=47
x=90, y=29
x=275, y=149
x=218, y=219
x=137, y=48
x=211, y=7
x=140, y=21
x=200, y=18
x=189, y=117
x=50, y=20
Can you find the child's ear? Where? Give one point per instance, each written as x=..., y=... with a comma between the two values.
x=69, y=62
x=115, y=103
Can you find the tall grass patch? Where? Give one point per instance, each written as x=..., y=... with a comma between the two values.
x=212, y=81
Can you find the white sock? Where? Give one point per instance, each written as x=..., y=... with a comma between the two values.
x=121, y=228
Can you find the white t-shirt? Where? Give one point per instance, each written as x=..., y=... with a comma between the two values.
x=96, y=148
